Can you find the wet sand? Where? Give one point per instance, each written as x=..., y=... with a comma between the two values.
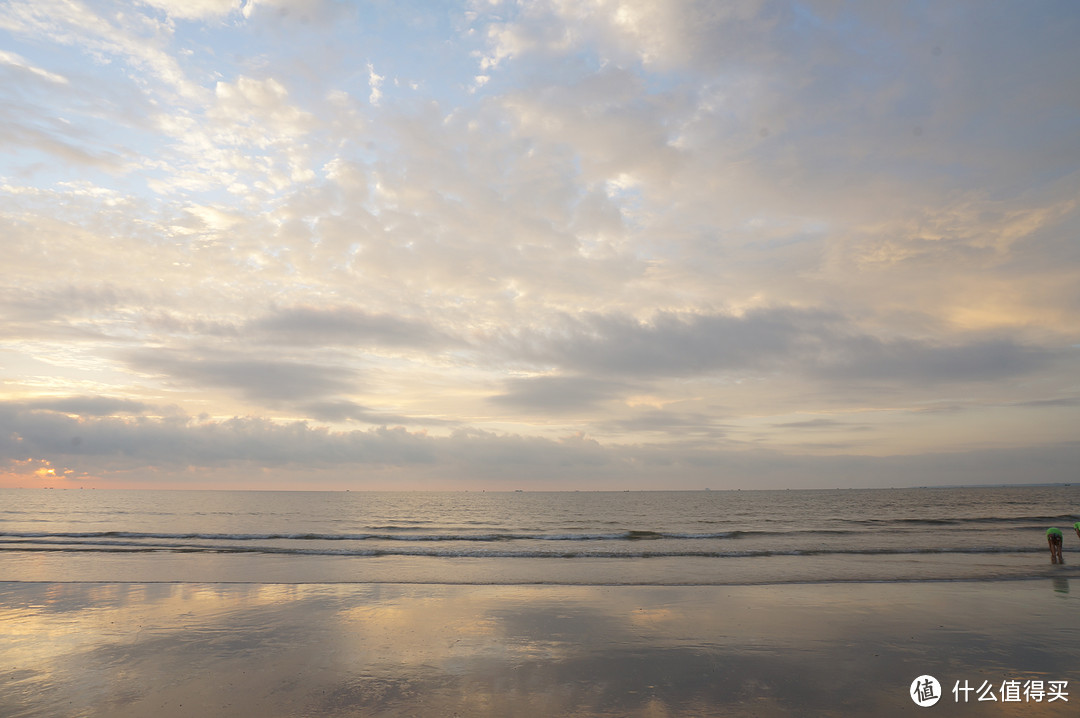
x=268, y=650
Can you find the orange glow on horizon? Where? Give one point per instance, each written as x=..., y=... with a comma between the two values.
x=28, y=472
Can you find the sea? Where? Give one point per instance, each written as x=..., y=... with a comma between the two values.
x=530, y=537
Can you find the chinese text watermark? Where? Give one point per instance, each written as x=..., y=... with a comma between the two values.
x=926, y=691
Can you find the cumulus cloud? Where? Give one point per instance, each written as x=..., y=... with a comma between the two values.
x=257, y=112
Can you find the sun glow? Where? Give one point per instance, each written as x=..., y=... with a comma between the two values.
x=22, y=472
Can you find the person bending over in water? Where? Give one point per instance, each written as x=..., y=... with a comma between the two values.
x=1077, y=527
x=1055, y=539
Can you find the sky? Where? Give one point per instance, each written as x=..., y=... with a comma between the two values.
x=562, y=244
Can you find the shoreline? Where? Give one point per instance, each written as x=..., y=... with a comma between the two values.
x=550, y=584
x=165, y=567
x=175, y=649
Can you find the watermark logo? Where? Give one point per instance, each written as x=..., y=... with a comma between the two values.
x=1013, y=691
x=925, y=691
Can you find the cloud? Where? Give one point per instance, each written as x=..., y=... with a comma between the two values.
x=673, y=224
x=822, y=424
x=166, y=449
x=254, y=132
x=196, y=9
x=67, y=151
x=38, y=106
x=672, y=423
x=673, y=344
x=103, y=444
x=256, y=379
x=87, y=405
x=184, y=441
x=36, y=304
x=342, y=410
x=375, y=81
x=680, y=34
x=303, y=12
x=1065, y=401
x=616, y=129
x=346, y=325
x=813, y=342
x=558, y=393
x=11, y=59
x=138, y=40
x=822, y=111
x=910, y=361
x=257, y=112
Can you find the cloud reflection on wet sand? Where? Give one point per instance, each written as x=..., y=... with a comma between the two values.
x=388, y=650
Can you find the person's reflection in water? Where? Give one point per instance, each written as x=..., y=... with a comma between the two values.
x=1061, y=584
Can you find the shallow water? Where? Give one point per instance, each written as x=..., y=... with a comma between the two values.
x=641, y=538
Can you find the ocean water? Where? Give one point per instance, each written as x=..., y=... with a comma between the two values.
x=569, y=538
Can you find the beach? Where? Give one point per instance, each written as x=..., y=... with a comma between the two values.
x=531, y=605
x=539, y=359
x=230, y=649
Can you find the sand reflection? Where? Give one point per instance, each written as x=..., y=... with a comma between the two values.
x=389, y=650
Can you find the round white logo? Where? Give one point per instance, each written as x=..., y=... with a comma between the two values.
x=925, y=691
